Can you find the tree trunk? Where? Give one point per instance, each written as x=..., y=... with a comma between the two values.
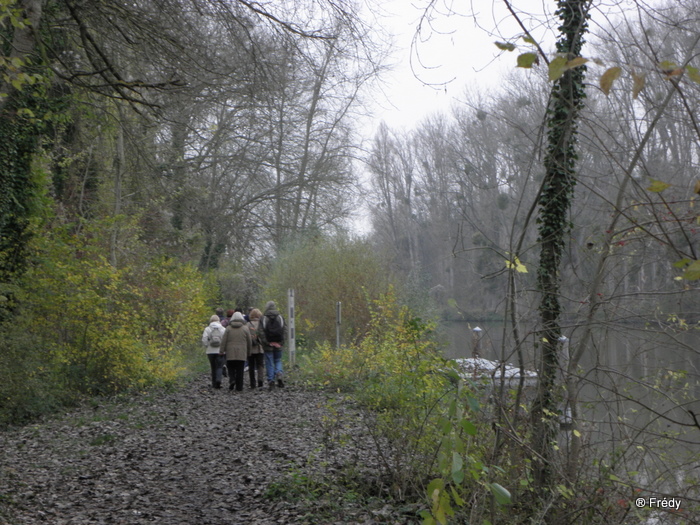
x=120, y=167
x=554, y=203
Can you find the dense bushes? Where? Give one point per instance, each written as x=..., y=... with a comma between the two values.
x=427, y=427
x=324, y=271
x=85, y=327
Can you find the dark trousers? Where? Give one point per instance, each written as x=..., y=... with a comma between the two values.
x=256, y=362
x=235, y=374
x=216, y=362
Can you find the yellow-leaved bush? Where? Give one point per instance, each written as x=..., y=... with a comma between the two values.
x=395, y=347
x=397, y=374
x=104, y=329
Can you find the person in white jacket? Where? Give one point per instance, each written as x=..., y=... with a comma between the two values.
x=211, y=339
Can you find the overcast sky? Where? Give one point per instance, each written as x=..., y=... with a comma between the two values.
x=452, y=50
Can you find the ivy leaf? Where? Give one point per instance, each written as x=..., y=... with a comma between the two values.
x=658, y=186
x=610, y=76
x=505, y=46
x=500, y=493
x=557, y=67
x=638, y=84
x=527, y=60
x=528, y=39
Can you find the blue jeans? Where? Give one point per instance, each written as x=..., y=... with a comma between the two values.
x=273, y=363
x=216, y=361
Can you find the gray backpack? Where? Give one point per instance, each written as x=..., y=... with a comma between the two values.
x=215, y=337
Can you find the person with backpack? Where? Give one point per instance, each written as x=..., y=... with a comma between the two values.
x=226, y=320
x=211, y=339
x=271, y=336
x=236, y=344
x=256, y=358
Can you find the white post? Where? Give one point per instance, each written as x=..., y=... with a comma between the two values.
x=338, y=320
x=566, y=420
x=476, y=342
x=290, y=323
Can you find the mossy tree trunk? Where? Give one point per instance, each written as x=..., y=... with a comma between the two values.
x=19, y=135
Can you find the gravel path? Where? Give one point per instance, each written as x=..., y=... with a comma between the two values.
x=193, y=457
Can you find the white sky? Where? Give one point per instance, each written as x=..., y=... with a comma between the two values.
x=451, y=52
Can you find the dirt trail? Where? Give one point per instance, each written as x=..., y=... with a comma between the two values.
x=193, y=457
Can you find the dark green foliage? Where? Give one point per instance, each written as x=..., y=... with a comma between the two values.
x=18, y=141
x=567, y=97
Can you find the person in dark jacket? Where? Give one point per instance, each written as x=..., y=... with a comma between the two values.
x=226, y=320
x=271, y=335
x=220, y=313
x=256, y=358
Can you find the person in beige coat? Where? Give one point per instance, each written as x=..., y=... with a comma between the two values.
x=236, y=345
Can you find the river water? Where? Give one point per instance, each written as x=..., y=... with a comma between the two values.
x=639, y=385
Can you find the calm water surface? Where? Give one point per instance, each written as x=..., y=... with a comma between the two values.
x=639, y=385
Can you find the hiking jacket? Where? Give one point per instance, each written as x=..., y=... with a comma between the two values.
x=207, y=334
x=236, y=342
x=253, y=327
x=270, y=312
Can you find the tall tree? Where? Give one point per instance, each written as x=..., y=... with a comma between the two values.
x=554, y=204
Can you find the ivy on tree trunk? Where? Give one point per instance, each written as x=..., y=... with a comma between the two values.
x=555, y=198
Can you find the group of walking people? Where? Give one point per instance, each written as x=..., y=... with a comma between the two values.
x=235, y=339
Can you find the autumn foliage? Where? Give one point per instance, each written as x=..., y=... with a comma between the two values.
x=85, y=327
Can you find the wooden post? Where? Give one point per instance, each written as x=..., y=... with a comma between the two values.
x=291, y=330
x=338, y=321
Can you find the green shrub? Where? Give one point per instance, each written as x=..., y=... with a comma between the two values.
x=395, y=374
x=426, y=425
x=86, y=327
x=324, y=271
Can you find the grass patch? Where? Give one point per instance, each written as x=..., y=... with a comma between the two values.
x=103, y=439
x=322, y=494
